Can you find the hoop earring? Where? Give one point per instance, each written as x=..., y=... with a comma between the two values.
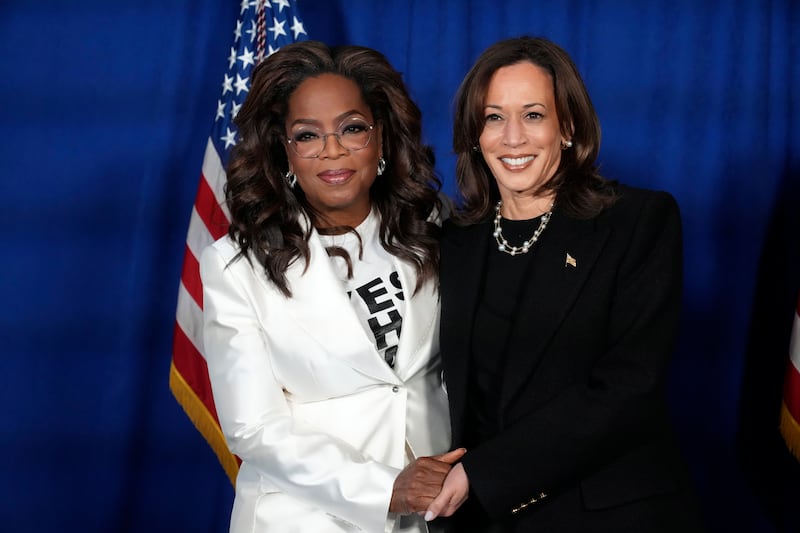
x=291, y=179
x=381, y=166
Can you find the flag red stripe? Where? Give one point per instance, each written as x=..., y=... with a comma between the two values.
x=791, y=391
x=192, y=366
x=210, y=211
x=191, y=277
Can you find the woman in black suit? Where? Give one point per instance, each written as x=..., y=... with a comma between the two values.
x=561, y=295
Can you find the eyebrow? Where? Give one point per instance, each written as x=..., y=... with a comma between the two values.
x=339, y=118
x=526, y=106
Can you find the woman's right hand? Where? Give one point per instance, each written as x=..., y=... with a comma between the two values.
x=455, y=491
x=421, y=481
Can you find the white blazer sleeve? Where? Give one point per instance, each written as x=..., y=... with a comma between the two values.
x=298, y=460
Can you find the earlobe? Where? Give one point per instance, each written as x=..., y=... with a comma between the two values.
x=566, y=140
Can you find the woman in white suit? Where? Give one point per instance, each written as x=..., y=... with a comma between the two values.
x=321, y=305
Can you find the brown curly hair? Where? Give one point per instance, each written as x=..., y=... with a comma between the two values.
x=267, y=214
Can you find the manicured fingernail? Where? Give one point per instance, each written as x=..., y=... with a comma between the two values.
x=429, y=516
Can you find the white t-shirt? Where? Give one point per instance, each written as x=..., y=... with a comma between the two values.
x=374, y=290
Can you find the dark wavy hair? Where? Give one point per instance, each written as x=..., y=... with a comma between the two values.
x=267, y=214
x=580, y=190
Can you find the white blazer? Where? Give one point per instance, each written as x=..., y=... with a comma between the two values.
x=322, y=424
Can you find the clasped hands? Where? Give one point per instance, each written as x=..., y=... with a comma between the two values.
x=431, y=486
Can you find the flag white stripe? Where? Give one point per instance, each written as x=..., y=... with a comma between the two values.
x=189, y=317
x=215, y=176
x=794, y=345
x=198, y=236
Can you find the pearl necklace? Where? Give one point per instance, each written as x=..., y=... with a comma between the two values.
x=502, y=243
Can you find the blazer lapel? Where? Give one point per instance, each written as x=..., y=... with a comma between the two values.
x=463, y=264
x=419, y=331
x=563, y=262
x=319, y=304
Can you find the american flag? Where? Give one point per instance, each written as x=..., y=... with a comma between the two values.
x=262, y=28
x=790, y=408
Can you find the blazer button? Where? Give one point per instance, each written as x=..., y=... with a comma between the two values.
x=395, y=389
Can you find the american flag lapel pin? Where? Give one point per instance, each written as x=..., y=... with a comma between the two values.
x=570, y=261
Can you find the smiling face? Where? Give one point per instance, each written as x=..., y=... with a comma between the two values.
x=521, y=138
x=337, y=181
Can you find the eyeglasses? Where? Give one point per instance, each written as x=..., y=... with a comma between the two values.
x=353, y=134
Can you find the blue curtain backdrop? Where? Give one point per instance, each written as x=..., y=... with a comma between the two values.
x=106, y=107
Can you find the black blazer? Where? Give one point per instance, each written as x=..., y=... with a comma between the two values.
x=585, y=442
